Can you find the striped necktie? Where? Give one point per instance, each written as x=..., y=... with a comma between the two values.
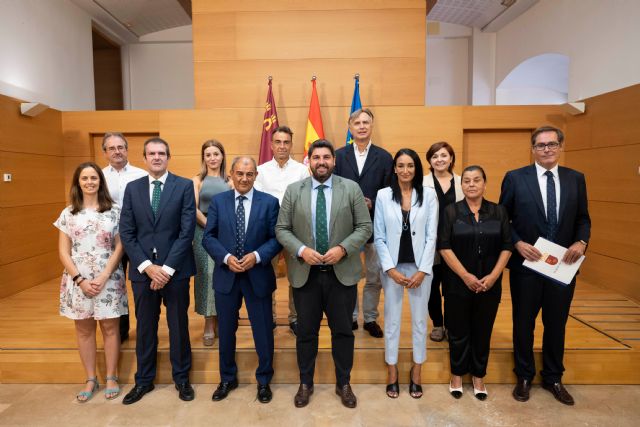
x=155, y=197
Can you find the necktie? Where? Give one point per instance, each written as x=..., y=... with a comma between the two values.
x=322, y=239
x=552, y=216
x=240, y=234
x=155, y=197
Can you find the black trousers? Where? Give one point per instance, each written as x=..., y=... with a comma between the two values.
x=435, y=299
x=124, y=319
x=323, y=292
x=531, y=293
x=470, y=319
x=175, y=296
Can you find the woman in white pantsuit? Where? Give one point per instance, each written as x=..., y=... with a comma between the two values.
x=405, y=229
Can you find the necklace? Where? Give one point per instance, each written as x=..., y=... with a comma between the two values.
x=405, y=220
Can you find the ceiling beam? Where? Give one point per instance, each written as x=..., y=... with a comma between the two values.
x=186, y=5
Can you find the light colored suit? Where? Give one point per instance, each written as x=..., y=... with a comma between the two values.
x=350, y=227
x=423, y=225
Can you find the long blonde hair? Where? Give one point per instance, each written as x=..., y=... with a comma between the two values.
x=203, y=164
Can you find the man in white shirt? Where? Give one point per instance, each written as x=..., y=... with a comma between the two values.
x=273, y=178
x=118, y=174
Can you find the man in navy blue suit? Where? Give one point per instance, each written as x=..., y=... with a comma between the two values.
x=240, y=237
x=157, y=224
x=549, y=201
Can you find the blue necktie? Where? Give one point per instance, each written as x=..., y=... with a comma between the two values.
x=240, y=233
x=552, y=216
x=322, y=235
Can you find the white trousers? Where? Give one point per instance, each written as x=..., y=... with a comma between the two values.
x=418, y=301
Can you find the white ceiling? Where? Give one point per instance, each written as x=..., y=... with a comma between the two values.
x=488, y=15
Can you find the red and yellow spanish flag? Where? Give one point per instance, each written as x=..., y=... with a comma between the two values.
x=314, y=123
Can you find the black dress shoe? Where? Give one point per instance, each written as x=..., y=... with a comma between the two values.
x=293, y=327
x=185, y=392
x=374, y=329
x=124, y=337
x=346, y=396
x=559, y=392
x=264, y=393
x=521, y=390
x=354, y=325
x=136, y=393
x=301, y=398
x=223, y=390
x=275, y=325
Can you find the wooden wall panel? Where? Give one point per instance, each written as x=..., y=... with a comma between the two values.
x=488, y=149
x=37, y=179
x=22, y=134
x=615, y=230
x=621, y=276
x=199, y=7
x=20, y=275
x=512, y=116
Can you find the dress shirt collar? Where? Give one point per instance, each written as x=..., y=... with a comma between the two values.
x=328, y=182
x=277, y=165
x=361, y=153
x=466, y=210
x=540, y=171
x=248, y=195
x=125, y=168
x=162, y=179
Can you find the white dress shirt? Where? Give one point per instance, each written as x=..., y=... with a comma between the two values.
x=273, y=179
x=328, y=193
x=361, y=157
x=542, y=181
x=247, y=212
x=117, y=180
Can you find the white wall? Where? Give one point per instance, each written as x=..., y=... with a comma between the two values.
x=600, y=37
x=158, y=71
x=46, y=53
x=483, y=68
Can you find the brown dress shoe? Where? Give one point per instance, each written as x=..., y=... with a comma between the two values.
x=521, y=390
x=559, y=392
x=301, y=398
x=346, y=395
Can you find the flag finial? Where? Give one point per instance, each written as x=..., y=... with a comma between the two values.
x=313, y=78
x=270, y=78
x=357, y=76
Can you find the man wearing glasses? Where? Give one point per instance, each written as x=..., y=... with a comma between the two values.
x=549, y=201
x=118, y=174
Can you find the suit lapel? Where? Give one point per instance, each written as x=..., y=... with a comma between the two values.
x=372, y=158
x=534, y=187
x=145, y=195
x=351, y=158
x=231, y=210
x=255, y=205
x=564, y=192
x=305, y=200
x=337, y=202
x=413, y=212
x=165, y=196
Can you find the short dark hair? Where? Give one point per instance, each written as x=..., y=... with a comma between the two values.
x=437, y=147
x=283, y=129
x=547, y=128
x=105, y=202
x=155, y=140
x=359, y=111
x=321, y=143
x=416, y=183
x=472, y=168
x=108, y=135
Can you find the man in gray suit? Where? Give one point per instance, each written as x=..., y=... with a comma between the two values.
x=323, y=223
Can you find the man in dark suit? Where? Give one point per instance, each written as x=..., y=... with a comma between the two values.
x=323, y=223
x=156, y=227
x=240, y=237
x=371, y=167
x=549, y=201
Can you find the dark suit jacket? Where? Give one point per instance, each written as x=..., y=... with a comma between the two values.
x=220, y=239
x=376, y=173
x=170, y=232
x=521, y=197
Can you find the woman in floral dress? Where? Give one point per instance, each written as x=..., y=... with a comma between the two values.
x=93, y=288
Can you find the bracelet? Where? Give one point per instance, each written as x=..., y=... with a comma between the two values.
x=76, y=277
x=82, y=279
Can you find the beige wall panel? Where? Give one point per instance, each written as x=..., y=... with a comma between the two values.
x=615, y=230
x=611, y=173
x=20, y=275
x=497, y=152
x=22, y=134
x=615, y=117
x=577, y=133
x=27, y=231
x=36, y=179
x=302, y=35
x=384, y=81
x=621, y=276
x=512, y=116
x=209, y=6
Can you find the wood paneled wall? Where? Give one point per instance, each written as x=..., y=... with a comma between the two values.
x=31, y=149
x=237, y=44
x=604, y=144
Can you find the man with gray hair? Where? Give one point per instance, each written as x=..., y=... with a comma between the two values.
x=118, y=174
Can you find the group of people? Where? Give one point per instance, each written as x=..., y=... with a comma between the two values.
x=230, y=228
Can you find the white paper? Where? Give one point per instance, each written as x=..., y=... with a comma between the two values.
x=551, y=265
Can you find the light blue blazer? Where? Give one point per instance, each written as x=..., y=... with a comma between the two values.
x=387, y=228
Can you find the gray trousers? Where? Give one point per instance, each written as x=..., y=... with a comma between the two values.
x=372, y=286
x=293, y=316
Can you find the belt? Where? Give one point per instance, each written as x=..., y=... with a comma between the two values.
x=322, y=268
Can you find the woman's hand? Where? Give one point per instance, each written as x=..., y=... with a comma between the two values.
x=87, y=288
x=488, y=281
x=398, y=277
x=98, y=282
x=472, y=282
x=416, y=279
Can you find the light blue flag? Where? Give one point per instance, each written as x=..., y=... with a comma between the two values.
x=356, y=104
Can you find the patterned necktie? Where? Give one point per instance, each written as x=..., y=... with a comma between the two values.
x=322, y=239
x=552, y=216
x=155, y=197
x=240, y=233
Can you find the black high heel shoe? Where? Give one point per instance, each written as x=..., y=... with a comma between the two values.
x=415, y=390
x=394, y=387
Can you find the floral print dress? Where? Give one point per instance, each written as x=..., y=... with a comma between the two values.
x=92, y=237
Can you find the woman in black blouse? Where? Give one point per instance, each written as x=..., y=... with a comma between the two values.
x=474, y=240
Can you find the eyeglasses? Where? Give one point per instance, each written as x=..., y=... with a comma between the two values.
x=116, y=148
x=552, y=146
